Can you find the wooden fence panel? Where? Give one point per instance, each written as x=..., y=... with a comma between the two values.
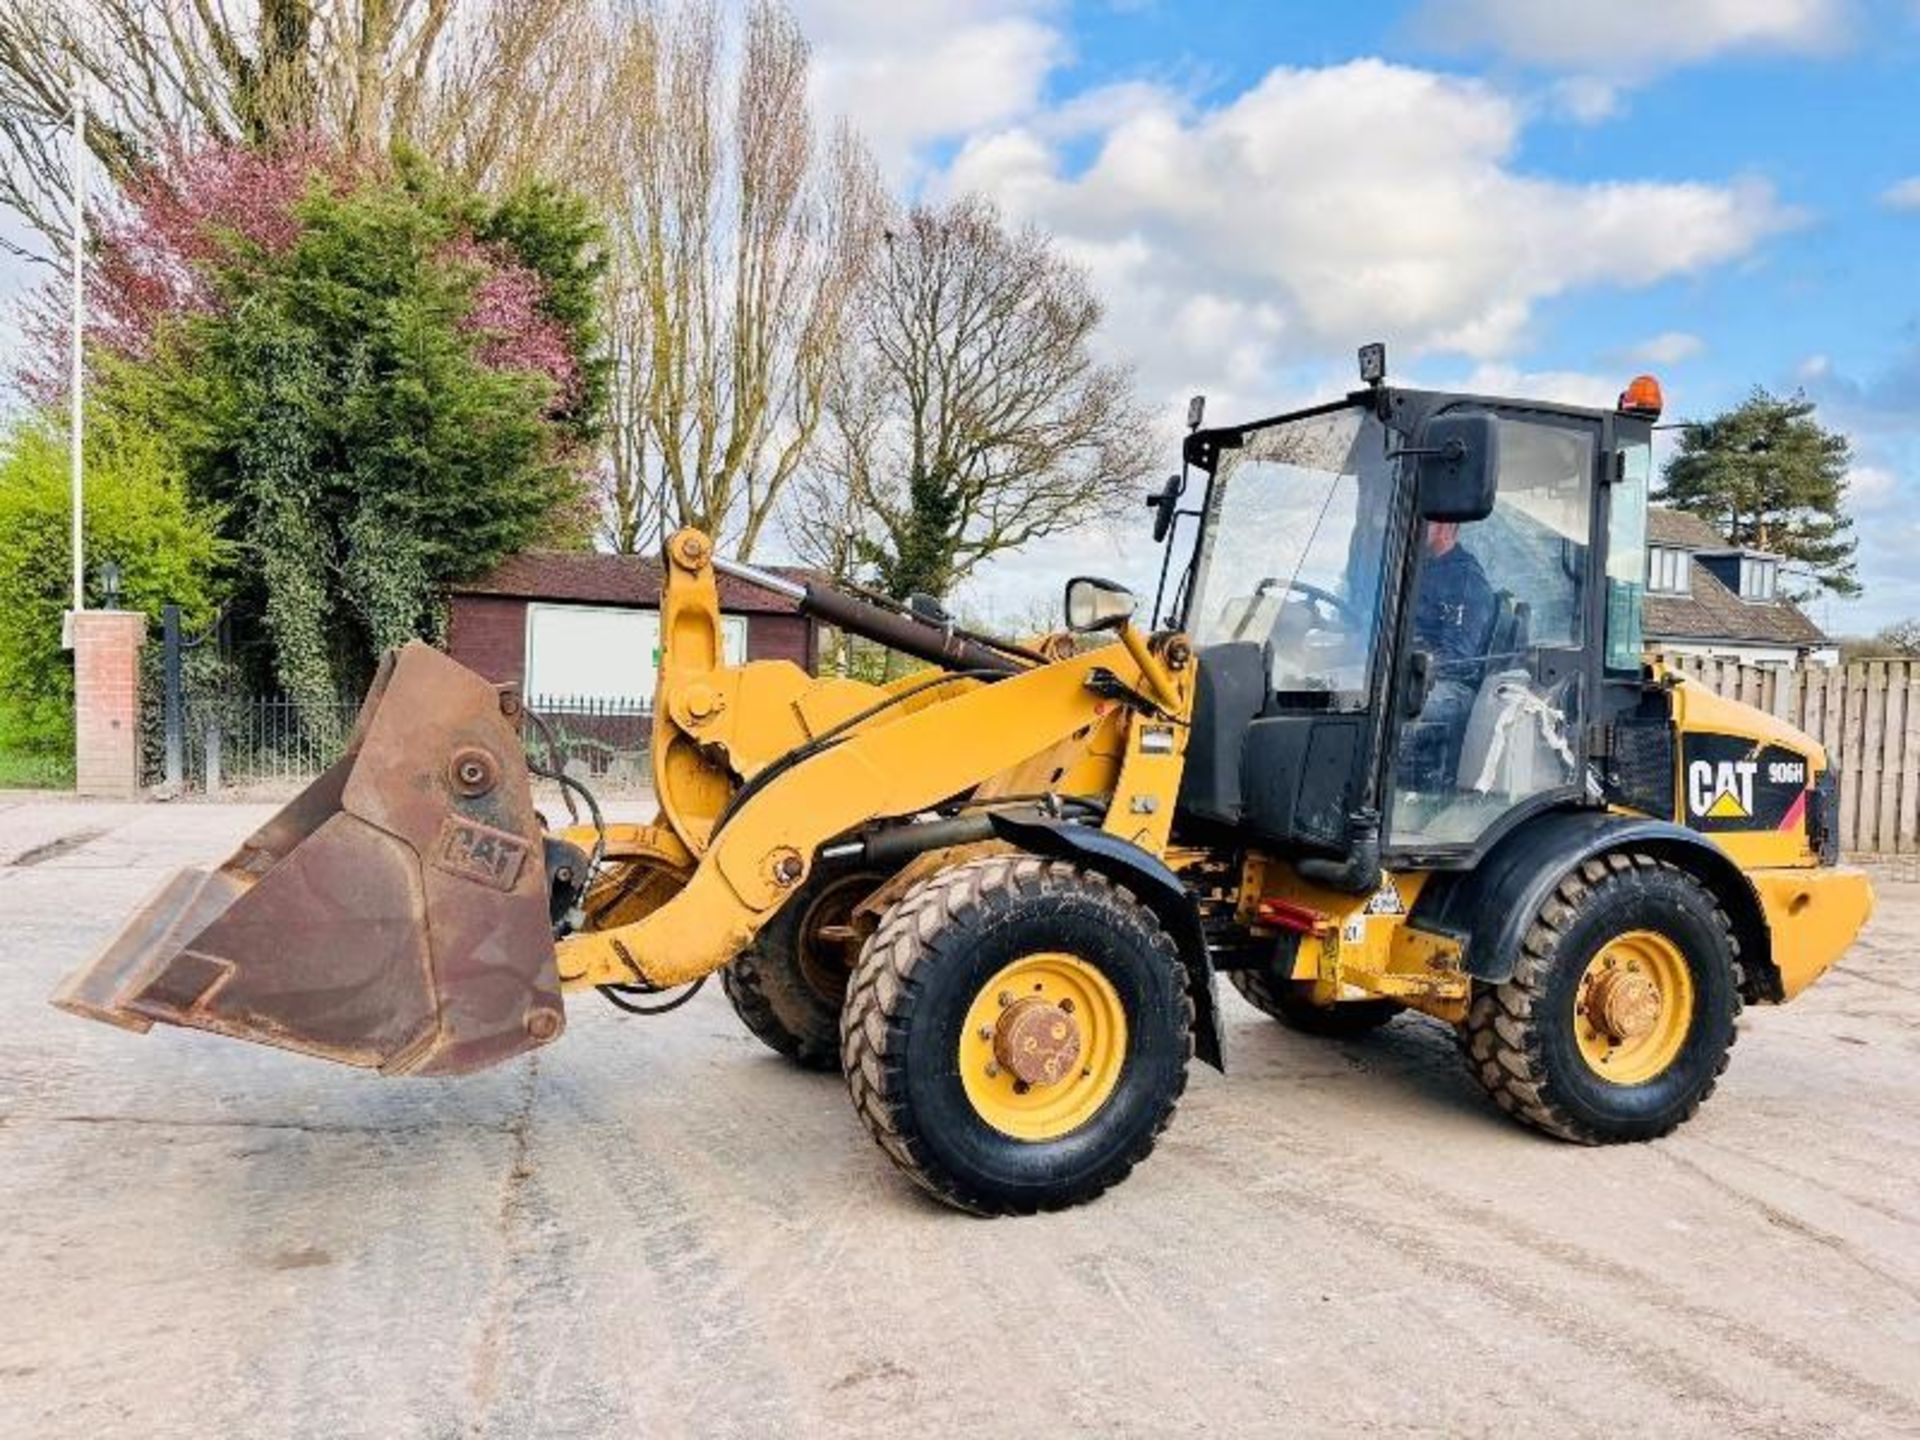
x=1833, y=715
x=1853, y=716
x=1868, y=754
x=1866, y=714
x=1891, y=751
x=1907, y=830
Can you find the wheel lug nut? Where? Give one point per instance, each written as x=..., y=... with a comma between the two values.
x=986, y=1032
x=993, y=1069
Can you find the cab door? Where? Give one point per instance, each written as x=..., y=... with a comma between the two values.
x=1499, y=657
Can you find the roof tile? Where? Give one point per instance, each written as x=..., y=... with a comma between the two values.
x=1682, y=529
x=1713, y=612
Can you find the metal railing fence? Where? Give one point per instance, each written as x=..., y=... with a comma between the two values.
x=605, y=742
x=229, y=741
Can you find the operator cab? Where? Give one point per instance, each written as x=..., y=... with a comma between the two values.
x=1412, y=609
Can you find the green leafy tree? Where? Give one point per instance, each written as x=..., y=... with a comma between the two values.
x=139, y=516
x=1769, y=476
x=384, y=381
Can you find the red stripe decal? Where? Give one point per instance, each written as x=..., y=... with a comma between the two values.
x=1796, y=812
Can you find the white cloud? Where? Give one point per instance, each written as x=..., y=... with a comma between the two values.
x=1634, y=37
x=1902, y=194
x=1668, y=348
x=910, y=73
x=1586, y=99
x=1563, y=387
x=1324, y=207
x=1872, y=489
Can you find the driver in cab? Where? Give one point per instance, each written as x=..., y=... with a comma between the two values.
x=1451, y=620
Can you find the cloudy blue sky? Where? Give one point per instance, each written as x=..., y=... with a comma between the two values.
x=1536, y=196
x=1518, y=195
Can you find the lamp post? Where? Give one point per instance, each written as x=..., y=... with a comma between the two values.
x=79, y=311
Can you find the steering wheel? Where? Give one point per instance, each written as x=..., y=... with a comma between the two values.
x=1340, y=606
x=1317, y=596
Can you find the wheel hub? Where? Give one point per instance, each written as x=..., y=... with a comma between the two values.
x=1043, y=1046
x=1624, y=1005
x=1633, y=1010
x=829, y=939
x=1037, y=1041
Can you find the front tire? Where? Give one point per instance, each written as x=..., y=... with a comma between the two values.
x=967, y=968
x=1621, y=1010
x=789, y=988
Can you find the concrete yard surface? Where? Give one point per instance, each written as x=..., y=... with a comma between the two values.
x=657, y=1228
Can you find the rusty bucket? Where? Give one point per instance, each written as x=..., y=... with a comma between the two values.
x=395, y=915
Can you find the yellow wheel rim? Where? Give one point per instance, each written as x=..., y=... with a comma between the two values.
x=1043, y=1047
x=1634, y=1007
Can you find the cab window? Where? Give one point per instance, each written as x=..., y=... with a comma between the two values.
x=1498, y=630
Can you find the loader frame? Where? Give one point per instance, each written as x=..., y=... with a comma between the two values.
x=1110, y=721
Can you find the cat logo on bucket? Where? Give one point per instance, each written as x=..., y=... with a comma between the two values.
x=1721, y=790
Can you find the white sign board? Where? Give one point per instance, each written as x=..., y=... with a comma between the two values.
x=604, y=653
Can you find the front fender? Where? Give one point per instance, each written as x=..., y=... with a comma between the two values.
x=1490, y=907
x=1156, y=886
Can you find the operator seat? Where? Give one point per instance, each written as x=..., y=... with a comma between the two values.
x=1506, y=636
x=1517, y=740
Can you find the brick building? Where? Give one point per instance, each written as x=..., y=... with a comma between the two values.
x=583, y=626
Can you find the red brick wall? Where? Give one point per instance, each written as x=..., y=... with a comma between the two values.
x=106, y=701
x=488, y=633
x=781, y=637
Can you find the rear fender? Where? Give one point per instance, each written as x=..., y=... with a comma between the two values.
x=1490, y=907
x=1156, y=886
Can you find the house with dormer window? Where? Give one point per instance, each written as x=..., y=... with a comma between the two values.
x=1706, y=597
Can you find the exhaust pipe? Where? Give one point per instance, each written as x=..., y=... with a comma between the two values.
x=395, y=915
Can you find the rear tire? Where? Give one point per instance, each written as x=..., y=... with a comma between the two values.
x=789, y=987
x=933, y=991
x=1291, y=1003
x=1533, y=1044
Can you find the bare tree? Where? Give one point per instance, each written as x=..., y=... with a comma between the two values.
x=740, y=239
x=495, y=90
x=969, y=416
x=630, y=510
x=1902, y=637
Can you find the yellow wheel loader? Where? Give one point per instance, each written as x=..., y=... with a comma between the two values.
x=1389, y=745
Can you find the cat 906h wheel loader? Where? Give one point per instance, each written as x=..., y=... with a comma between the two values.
x=1391, y=746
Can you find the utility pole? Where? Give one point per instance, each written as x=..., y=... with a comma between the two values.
x=79, y=313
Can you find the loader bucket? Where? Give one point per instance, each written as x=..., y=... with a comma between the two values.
x=394, y=915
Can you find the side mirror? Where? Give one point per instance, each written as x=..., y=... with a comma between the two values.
x=1459, y=466
x=1096, y=604
x=1165, y=504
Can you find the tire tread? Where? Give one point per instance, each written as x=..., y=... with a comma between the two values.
x=1502, y=1042
x=912, y=936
